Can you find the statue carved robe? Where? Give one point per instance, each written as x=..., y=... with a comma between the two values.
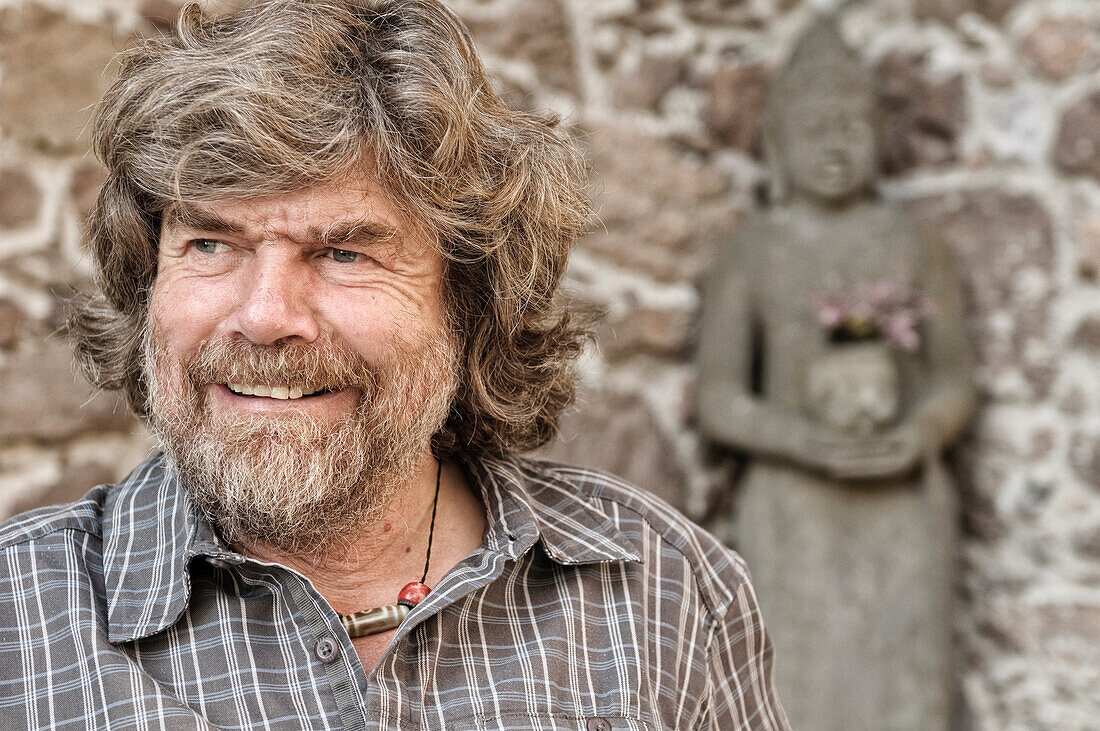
x=845, y=514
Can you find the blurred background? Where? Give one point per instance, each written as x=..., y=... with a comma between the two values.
x=991, y=125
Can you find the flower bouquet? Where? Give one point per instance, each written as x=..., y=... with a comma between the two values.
x=887, y=309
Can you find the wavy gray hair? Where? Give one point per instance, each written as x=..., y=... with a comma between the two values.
x=287, y=94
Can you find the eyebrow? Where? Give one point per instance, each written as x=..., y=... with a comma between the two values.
x=342, y=233
x=198, y=218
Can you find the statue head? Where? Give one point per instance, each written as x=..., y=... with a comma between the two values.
x=820, y=127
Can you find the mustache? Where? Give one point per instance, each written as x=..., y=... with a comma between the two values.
x=324, y=364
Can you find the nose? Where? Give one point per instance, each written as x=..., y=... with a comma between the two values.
x=275, y=300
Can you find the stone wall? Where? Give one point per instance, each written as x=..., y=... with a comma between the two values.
x=992, y=130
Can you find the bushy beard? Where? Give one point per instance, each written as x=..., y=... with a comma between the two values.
x=297, y=481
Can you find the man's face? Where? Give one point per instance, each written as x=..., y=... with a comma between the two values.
x=298, y=359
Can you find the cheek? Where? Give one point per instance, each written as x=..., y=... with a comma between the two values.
x=367, y=326
x=380, y=327
x=184, y=313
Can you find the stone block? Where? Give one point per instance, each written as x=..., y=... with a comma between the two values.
x=721, y=12
x=657, y=211
x=1084, y=458
x=1056, y=46
x=11, y=322
x=89, y=461
x=997, y=235
x=616, y=432
x=160, y=14
x=55, y=70
x=661, y=333
x=45, y=400
x=1000, y=239
x=647, y=85
x=1087, y=335
x=1077, y=148
x=995, y=10
x=997, y=73
x=1063, y=631
x=921, y=119
x=20, y=198
x=26, y=473
x=84, y=186
x=1073, y=401
x=70, y=485
x=649, y=21
x=536, y=32
x=948, y=11
x=735, y=107
x=1087, y=543
x=1088, y=252
x=943, y=10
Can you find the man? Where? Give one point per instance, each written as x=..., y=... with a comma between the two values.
x=327, y=258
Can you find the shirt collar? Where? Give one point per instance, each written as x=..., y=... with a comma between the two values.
x=527, y=501
x=152, y=531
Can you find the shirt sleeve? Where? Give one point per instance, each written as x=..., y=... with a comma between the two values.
x=742, y=678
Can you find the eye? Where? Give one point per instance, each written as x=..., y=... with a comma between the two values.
x=343, y=256
x=208, y=246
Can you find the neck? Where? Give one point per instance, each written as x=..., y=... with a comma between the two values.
x=370, y=567
x=817, y=207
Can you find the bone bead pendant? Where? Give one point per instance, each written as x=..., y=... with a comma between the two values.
x=380, y=619
x=373, y=621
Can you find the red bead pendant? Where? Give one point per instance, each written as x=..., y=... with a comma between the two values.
x=413, y=594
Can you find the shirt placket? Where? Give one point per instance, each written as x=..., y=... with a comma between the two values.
x=331, y=649
x=476, y=572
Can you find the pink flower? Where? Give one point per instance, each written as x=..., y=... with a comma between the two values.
x=831, y=316
x=888, y=308
x=901, y=329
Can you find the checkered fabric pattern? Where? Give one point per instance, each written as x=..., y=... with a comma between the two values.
x=590, y=605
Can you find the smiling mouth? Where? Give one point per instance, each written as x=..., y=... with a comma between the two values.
x=283, y=393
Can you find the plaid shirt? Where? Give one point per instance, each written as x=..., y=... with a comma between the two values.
x=590, y=605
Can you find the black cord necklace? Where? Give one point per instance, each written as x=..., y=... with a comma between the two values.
x=380, y=619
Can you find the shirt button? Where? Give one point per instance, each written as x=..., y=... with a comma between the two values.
x=326, y=650
x=598, y=724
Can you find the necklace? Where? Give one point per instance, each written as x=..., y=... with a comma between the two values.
x=380, y=619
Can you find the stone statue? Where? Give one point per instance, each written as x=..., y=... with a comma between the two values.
x=833, y=355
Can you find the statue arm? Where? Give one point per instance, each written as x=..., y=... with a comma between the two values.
x=947, y=405
x=728, y=412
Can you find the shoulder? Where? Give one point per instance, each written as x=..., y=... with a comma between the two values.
x=648, y=521
x=749, y=246
x=83, y=517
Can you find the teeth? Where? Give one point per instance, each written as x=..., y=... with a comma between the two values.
x=277, y=392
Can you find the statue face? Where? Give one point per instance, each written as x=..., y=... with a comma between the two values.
x=828, y=149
